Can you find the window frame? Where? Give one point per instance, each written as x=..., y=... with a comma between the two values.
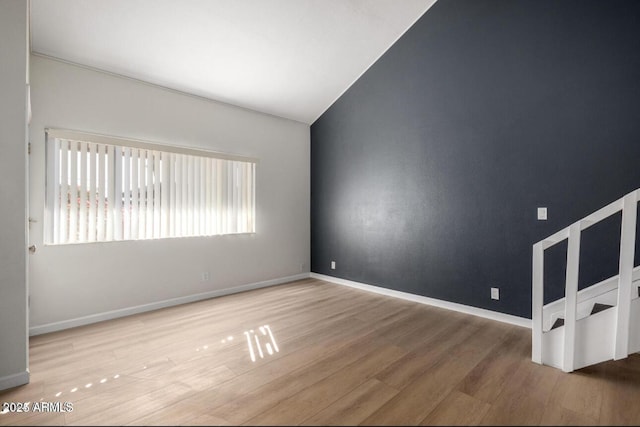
x=115, y=178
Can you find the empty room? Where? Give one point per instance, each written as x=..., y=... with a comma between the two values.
x=319, y=212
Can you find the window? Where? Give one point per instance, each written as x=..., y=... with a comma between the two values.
x=102, y=189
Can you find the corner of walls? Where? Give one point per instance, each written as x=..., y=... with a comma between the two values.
x=434, y=302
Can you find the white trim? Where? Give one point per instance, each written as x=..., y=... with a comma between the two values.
x=475, y=311
x=537, y=299
x=114, y=314
x=14, y=380
x=585, y=294
x=555, y=309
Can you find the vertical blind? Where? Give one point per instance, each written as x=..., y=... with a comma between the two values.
x=99, y=191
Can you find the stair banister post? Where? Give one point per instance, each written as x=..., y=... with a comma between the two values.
x=625, y=276
x=571, y=297
x=537, y=299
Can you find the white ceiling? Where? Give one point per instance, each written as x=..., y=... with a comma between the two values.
x=289, y=58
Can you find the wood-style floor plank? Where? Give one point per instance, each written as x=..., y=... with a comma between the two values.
x=269, y=395
x=486, y=380
x=311, y=400
x=355, y=406
x=523, y=397
x=457, y=408
x=344, y=357
x=419, y=396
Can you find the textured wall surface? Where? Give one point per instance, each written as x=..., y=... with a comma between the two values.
x=426, y=174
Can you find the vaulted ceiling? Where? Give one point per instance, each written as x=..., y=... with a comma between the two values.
x=289, y=58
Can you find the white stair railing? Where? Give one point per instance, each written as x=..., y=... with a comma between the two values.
x=628, y=205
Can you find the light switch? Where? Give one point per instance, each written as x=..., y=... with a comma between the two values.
x=542, y=214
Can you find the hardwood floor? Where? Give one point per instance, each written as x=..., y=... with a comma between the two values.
x=338, y=356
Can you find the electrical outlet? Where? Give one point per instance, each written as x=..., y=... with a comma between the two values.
x=333, y=265
x=495, y=293
x=205, y=276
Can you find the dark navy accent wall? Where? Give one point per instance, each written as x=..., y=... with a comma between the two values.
x=426, y=174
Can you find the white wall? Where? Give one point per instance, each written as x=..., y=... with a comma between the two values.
x=74, y=281
x=13, y=134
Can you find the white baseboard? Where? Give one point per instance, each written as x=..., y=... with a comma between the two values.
x=481, y=312
x=114, y=314
x=14, y=380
